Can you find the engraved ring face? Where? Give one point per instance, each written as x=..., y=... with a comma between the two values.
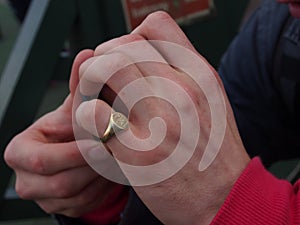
x=117, y=122
x=120, y=121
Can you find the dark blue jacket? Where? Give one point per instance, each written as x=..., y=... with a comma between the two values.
x=261, y=88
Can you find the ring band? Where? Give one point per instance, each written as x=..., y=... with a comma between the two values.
x=117, y=122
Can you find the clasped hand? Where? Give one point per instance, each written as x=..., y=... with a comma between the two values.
x=51, y=170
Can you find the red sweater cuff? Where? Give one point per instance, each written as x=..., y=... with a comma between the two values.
x=110, y=210
x=260, y=198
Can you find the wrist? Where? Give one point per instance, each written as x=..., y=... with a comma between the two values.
x=226, y=173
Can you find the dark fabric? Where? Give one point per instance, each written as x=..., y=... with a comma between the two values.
x=247, y=70
x=286, y=68
x=64, y=220
x=137, y=213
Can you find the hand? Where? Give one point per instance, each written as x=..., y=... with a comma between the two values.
x=49, y=167
x=189, y=196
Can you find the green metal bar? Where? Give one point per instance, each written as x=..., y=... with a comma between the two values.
x=9, y=80
x=9, y=28
x=15, y=64
x=29, y=70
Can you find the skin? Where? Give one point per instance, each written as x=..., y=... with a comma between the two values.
x=51, y=171
x=48, y=165
x=190, y=196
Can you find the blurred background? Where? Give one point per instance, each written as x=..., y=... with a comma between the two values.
x=40, y=38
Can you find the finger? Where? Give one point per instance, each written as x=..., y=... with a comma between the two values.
x=94, y=117
x=44, y=159
x=102, y=49
x=62, y=185
x=103, y=68
x=138, y=50
x=55, y=126
x=161, y=26
x=80, y=58
x=85, y=201
x=117, y=71
x=108, y=46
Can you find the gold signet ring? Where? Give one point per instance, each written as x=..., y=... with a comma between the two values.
x=117, y=122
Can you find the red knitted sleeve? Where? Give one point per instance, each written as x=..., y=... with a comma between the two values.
x=260, y=198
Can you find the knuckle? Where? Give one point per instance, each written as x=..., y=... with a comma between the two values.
x=128, y=38
x=158, y=16
x=36, y=164
x=23, y=191
x=84, y=66
x=8, y=156
x=10, y=152
x=61, y=187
